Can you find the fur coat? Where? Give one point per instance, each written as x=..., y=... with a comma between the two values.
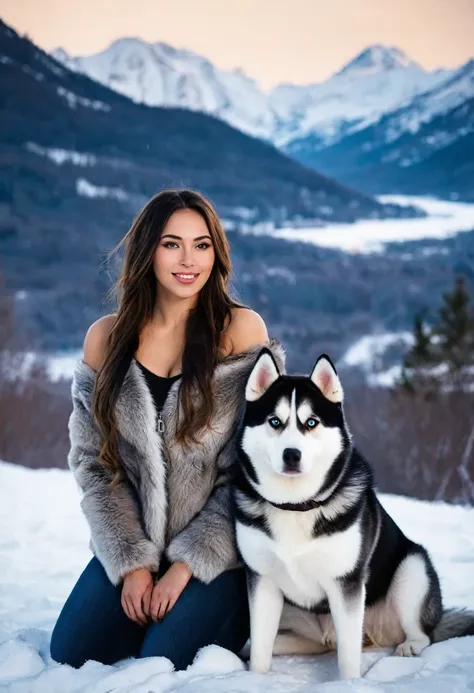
x=172, y=500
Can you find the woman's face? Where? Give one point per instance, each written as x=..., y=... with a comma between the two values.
x=185, y=255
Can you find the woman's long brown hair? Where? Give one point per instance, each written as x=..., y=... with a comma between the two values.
x=137, y=290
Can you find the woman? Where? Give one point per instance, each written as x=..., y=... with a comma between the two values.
x=156, y=401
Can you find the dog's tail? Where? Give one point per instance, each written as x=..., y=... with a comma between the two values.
x=454, y=624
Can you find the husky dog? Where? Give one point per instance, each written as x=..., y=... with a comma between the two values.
x=326, y=564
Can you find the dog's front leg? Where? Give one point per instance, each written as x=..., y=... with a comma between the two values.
x=347, y=605
x=266, y=605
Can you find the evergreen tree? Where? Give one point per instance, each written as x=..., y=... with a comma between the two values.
x=442, y=356
x=421, y=352
x=455, y=331
x=420, y=357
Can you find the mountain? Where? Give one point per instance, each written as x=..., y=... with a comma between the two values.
x=450, y=93
x=157, y=74
x=376, y=81
x=426, y=147
x=378, y=58
x=380, y=114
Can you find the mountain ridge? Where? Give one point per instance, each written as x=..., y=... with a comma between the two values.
x=311, y=123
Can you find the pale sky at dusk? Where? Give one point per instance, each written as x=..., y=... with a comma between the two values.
x=275, y=41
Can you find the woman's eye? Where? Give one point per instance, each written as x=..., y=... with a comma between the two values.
x=170, y=244
x=274, y=422
x=203, y=246
x=312, y=422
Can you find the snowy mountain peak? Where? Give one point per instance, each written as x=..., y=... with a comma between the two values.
x=161, y=75
x=376, y=59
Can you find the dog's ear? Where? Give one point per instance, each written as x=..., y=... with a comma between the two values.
x=324, y=376
x=264, y=373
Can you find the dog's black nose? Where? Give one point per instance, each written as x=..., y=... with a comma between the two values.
x=292, y=459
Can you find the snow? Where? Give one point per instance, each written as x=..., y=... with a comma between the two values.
x=85, y=188
x=438, y=140
x=387, y=378
x=39, y=76
x=62, y=156
x=378, y=58
x=59, y=366
x=281, y=272
x=363, y=352
x=454, y=90
x=74, y=100
x=367, y=353
x=370, y=235
x=44, y=547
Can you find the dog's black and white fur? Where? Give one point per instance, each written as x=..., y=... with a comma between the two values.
x=327, y=566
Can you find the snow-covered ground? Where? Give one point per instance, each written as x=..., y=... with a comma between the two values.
x=58, y=366
x=367, y=352
x=369, y=235
x=44, y=547
x=363, y=352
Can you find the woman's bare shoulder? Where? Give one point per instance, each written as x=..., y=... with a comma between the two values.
x=246, y=330
x=95, y=342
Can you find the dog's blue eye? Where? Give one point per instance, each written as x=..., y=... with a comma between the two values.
x=274, y=422
x=312, y=423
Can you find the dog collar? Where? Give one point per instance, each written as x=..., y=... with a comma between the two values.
x=299, y=507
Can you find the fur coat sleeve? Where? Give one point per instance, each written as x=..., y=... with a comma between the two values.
x=118, y=537
x=207, y=543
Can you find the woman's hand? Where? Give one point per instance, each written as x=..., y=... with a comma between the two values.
x=168, y=588
x=136, y=595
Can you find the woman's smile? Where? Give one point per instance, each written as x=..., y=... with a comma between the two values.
x=183, y=278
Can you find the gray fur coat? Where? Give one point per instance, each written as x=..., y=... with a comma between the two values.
x=172, y=501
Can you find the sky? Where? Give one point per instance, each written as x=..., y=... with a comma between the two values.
x=273, y=41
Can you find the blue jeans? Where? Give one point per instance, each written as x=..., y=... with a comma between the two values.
x=93, y=624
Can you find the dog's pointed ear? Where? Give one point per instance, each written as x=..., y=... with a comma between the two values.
x=264, y=373
x=324, y=376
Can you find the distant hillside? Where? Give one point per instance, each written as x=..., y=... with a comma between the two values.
x=313, y=299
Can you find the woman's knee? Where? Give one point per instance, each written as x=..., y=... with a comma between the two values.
x=70, y=639
x=92, y=608
x=61, y=651
x=203, y=615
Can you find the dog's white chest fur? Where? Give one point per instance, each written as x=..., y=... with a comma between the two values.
x=302, y=566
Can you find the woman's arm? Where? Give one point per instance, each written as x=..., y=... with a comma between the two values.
x=117, y=532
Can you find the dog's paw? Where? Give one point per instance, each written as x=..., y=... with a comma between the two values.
x=411, y=648
x=259, y=666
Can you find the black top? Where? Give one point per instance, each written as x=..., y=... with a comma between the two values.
x=159, y=385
